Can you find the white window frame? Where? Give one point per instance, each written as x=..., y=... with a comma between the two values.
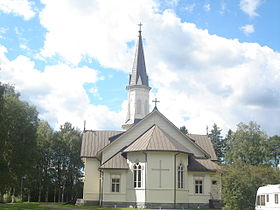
x=137, y=175
x=180, y=176
x=115, y=183
x=200, y=186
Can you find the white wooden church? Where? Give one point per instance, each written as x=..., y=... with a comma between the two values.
x=151, y=163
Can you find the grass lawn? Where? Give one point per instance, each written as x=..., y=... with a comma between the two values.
x=35, y=205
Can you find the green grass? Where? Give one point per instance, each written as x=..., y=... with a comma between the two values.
x=22, y=206
x=36, y=205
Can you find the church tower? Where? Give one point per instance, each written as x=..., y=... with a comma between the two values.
x=138, y=88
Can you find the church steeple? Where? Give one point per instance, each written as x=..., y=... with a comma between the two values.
x=139, y=75
x=138, y=88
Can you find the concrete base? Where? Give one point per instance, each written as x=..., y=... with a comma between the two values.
x=143, y=205
x=156, y=205
x=82, y=202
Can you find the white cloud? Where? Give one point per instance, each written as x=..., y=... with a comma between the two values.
x=98, y=29
x=247, y=29
x=199, y=76
x=207, y=7
x=250, y=7
x=58, y=92
x=18, y=7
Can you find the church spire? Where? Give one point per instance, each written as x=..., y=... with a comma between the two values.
x=139, y=75
x=138, y=88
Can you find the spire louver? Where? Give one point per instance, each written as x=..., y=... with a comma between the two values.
x=139, y=75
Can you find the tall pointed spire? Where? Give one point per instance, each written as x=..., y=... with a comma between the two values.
x=139, y=75
x=138, y=88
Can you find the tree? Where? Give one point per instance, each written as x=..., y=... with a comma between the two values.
x=248, y=145
x=18, y=139
x=217, y=141
x=240, y=183
x=44, y=142
x=274, y=148
x=67, y=162
x=184, y=130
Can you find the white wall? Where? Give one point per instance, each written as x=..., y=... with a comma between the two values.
x=91, y=184
x=108, y=195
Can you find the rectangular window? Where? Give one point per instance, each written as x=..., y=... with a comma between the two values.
x=267, y=198
x=276, y=198
x=198, y=186
x=262, y=200
x=258, y=200
x=115, y=184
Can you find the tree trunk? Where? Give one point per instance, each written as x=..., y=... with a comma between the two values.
x=13, y=195
x=47, y=195
x=28, y=196
x=62, y=193
x=40, y=193
x=54, y=195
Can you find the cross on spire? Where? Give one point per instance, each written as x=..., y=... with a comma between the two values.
x=140, y=25
x=155, y=101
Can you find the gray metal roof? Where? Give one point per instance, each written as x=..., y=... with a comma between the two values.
x=155, y=139
x=116, y=162
x=93, y=141
x=139, y=75
x=202, y=165
x=205, y=143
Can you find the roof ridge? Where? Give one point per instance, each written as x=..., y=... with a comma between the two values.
x=149, y=141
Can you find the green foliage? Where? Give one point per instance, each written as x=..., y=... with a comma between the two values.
x=274, y=148
x=184, y=130
x=248, y=145
x=217, y=141
x=241, y=181
x=18, y=138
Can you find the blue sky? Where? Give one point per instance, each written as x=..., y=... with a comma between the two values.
x=208, y=61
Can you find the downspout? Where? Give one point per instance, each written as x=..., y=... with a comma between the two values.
x=100, y=187
x=174, y=203
x=146, y=171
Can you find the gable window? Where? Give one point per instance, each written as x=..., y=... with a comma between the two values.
x=137, y=176
x=198, y=186
x=180, y=174
x=115, y=183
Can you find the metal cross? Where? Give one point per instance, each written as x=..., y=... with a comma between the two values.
x=140, y=24
x=160, y=169
x=155, y=101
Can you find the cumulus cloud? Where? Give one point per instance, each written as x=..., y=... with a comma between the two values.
x=98, y=29
x=18, y=7
x=58, y=92
x=200, y=78
x=247, y=29
x=250, y=7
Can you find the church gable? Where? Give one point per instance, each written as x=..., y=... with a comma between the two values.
x=158, y=119
x=156, y=139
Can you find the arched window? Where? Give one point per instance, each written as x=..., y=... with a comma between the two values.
x=180, y=174
x=137, y=175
